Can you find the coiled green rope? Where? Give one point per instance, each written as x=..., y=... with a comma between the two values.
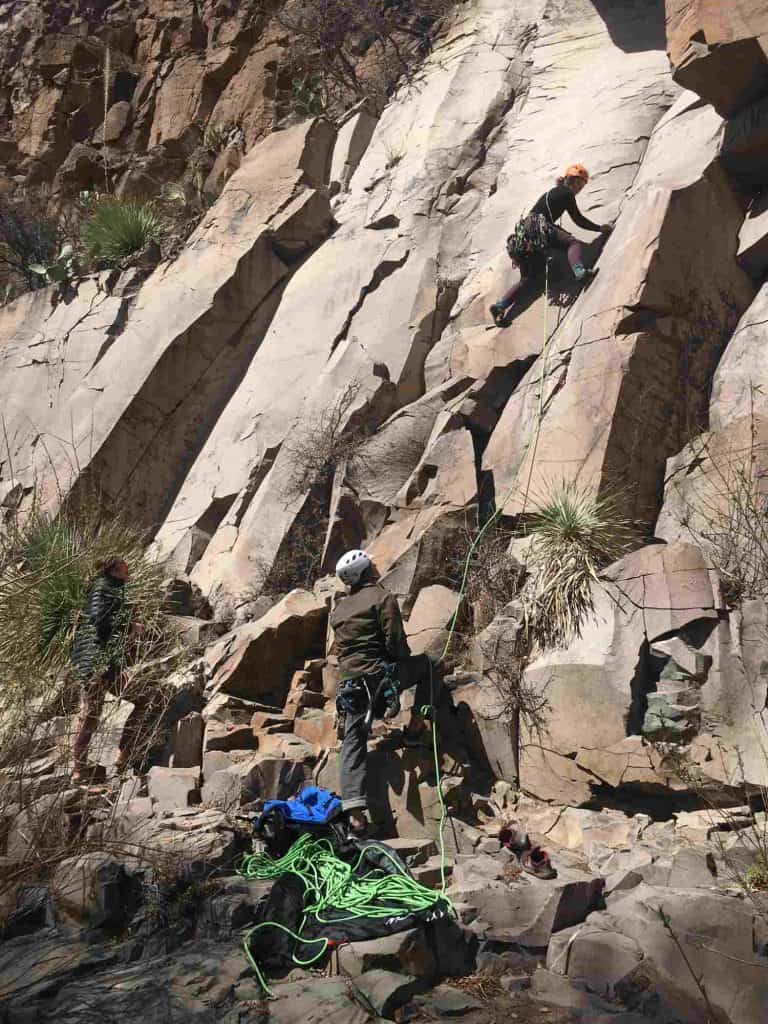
x=330, y=882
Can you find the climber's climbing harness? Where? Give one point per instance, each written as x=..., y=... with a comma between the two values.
x=374, y=696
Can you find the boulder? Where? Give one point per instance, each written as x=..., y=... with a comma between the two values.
x=258, y=659
x=720, y=51
x=598, y=689
x=96, y=890
x=599, y=958
x=526, y=910
x=316, y=728
x=260, y=776
x=550, y=776
x=228, y=736
x=701, y=935
x=431, y=615
x=196, y=839
x=630, y=762
x=318, y=999
x=188, y=742
x=384, y=991
x=172, y=788
x=409, y=952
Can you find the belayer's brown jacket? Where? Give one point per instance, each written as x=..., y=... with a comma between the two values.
x=369, y=631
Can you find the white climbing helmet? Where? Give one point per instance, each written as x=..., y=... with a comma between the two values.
x=350, y=567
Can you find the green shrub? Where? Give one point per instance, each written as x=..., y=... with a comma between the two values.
x=574, y=533
x=117, y=228
x=47, y=564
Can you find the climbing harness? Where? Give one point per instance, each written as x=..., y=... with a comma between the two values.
x=376, y=696
x=346, y=888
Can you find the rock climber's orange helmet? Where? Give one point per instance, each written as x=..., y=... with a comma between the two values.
x=577, y=171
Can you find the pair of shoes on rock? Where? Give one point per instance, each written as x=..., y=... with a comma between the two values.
x=532, y=859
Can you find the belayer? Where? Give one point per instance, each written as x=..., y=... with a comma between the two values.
x=539, y=231
x=376, y=664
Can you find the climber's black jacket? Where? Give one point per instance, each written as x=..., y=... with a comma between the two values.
x=368, y=630
x=96, y=626
x=560, y=200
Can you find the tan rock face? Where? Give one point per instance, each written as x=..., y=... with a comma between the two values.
x=737, y=390
x=169, y=67
x=624, y=377
x=719, y=50
x=257, y=661
x=145, y=393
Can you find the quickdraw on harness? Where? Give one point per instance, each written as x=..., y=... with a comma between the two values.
x=375, y=696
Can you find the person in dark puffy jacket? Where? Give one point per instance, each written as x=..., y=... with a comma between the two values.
x=95, y=655
x=539, y=231
x=371, y=643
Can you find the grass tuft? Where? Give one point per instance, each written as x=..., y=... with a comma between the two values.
x=116, y=229
x=574, y=534
x=47, y=564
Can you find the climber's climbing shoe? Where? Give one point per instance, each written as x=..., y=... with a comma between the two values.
x=499, y=315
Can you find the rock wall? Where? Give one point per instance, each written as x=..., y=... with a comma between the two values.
x=131, y=84
x=345, y=271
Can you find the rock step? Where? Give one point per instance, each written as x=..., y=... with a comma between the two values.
x=671, y=691
x=413, y=851
x=669, y=702
x=429, y=873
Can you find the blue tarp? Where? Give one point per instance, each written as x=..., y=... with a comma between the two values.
x=313, y=806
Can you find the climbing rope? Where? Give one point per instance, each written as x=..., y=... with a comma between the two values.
x=332, y=883
x=462, y=589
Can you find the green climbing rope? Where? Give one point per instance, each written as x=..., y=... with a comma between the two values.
x=480, y=534
x=330, y=882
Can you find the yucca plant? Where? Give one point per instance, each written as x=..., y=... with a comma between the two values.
x=47, y=564
x=574, y=534
x=118, y=228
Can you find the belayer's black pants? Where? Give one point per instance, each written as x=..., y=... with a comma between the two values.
x=413, y=671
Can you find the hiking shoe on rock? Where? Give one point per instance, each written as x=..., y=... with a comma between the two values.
x=536, y=862
x=514, y=838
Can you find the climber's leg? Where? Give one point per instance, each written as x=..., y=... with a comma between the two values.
x=575, y=253
x=500, y=309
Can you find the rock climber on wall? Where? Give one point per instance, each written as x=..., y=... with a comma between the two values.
x=376, y=664
x=539, y=231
